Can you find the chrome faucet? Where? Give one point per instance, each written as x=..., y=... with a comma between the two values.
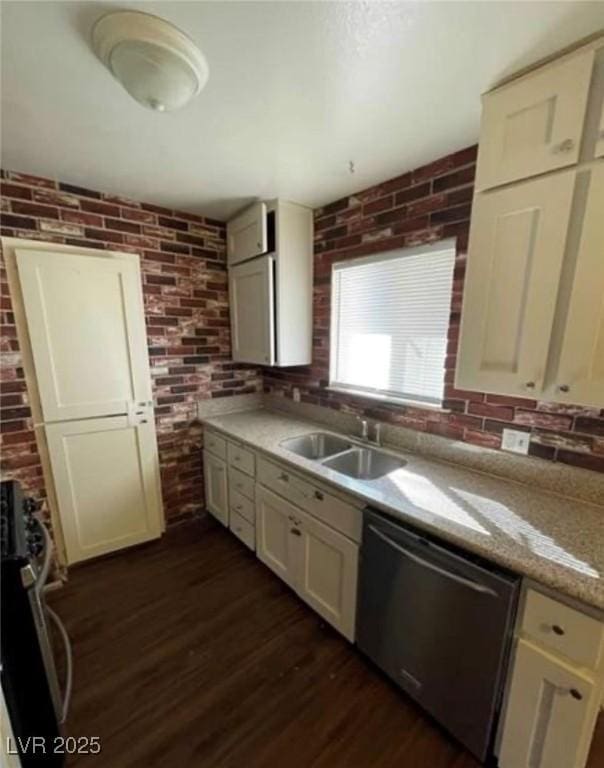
x=366, y=427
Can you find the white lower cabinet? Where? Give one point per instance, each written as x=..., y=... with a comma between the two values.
x=327, y=577
x=216, y=485
x=550, y=714
x=275, y=542
x=319, y=563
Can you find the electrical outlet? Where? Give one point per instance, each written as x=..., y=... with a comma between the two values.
x=515, y=441
x=296, y=395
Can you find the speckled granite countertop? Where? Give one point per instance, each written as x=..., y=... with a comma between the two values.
x=553, y=539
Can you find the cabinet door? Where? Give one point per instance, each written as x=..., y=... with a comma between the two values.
x=276, y=538
x=252, y=311
x=580, y=375
x=216, y=484
x=327, y=577
x=534, y=124
x=517, y=243
x=87, y=328
x=550, y=713
x=247, y=234
x=106, y=480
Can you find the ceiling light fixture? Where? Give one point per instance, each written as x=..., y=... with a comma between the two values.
x=156, y=63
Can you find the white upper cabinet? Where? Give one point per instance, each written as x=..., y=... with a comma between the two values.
x=271, y=294
x=515, y=257
x=534, y=124
x=533, y=307
x=247, y=234
x=251, y=296
x=579, y=375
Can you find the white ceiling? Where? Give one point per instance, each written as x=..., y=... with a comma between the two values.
x=296, y=91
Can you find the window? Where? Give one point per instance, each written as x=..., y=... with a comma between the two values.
x=389, y=323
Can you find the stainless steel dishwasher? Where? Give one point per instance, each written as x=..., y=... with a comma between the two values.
x=439, y=624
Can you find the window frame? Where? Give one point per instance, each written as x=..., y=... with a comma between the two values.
x=381, y=395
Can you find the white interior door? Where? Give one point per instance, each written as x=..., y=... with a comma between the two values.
x=517, y=243
x=86, y=325
x=327, y=578
x=105, y=474
x=534, y=124
x=251, y=295
x=247, y=234
x=580, y=374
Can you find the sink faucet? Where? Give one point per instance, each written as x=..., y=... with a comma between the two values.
x=365, y=429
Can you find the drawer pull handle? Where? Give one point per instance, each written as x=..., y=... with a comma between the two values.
x=530, y=385
x=236, y=457
x=296, y=532
x=563, y=146
x=284, y=477
x=238, y=507
x=557, y=629
x=576, y=694
x=319, y=496
x=564, y=388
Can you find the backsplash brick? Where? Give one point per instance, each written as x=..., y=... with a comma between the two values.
x=425, y=205
x=186, y=312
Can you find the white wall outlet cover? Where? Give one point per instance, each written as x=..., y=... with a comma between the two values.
x=296, y=394
x=515, y=441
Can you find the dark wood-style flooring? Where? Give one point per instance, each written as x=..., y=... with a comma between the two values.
x=190, y=653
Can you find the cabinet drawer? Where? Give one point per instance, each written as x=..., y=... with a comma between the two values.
x=241, y=483
x=242, y=506
x=241, y=458
x=336, y=512
x=244, y=530
x=214, y=444
x=563, y=629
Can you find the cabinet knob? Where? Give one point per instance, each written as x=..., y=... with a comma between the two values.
x=576, y=694
x=284, y=477
x=564, y=388
x=530, y=385
x=557, y=629
x=318, y=496
x=259, y=245
x=295, y=531
x=563, y=146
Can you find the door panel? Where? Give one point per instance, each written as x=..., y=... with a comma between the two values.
x=275, y=543
x=535, y=124
x=105, y=473
x=550, y=713
x=517, y=244
x=215, y=471
x=247, y=234
x=252, y=311
x=580, y=377
x=86, y=325
x=600, y=138
x=327, y=578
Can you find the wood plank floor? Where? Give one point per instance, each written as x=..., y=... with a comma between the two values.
x=190, y=653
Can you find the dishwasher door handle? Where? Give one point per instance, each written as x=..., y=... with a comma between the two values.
x=432, y=567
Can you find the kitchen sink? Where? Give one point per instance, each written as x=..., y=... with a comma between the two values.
x=364, y=463
x=317, y=445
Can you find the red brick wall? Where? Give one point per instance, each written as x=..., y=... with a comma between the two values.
x=426, y=205
x=186, y=311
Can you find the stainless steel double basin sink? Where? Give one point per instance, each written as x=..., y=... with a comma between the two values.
x=343, y=456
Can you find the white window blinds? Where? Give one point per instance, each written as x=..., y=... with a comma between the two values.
x=389, y=322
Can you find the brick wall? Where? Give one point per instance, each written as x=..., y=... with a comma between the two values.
x=423, y=206
x=186, y=311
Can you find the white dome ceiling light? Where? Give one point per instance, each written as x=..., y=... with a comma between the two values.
x=156, y=63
